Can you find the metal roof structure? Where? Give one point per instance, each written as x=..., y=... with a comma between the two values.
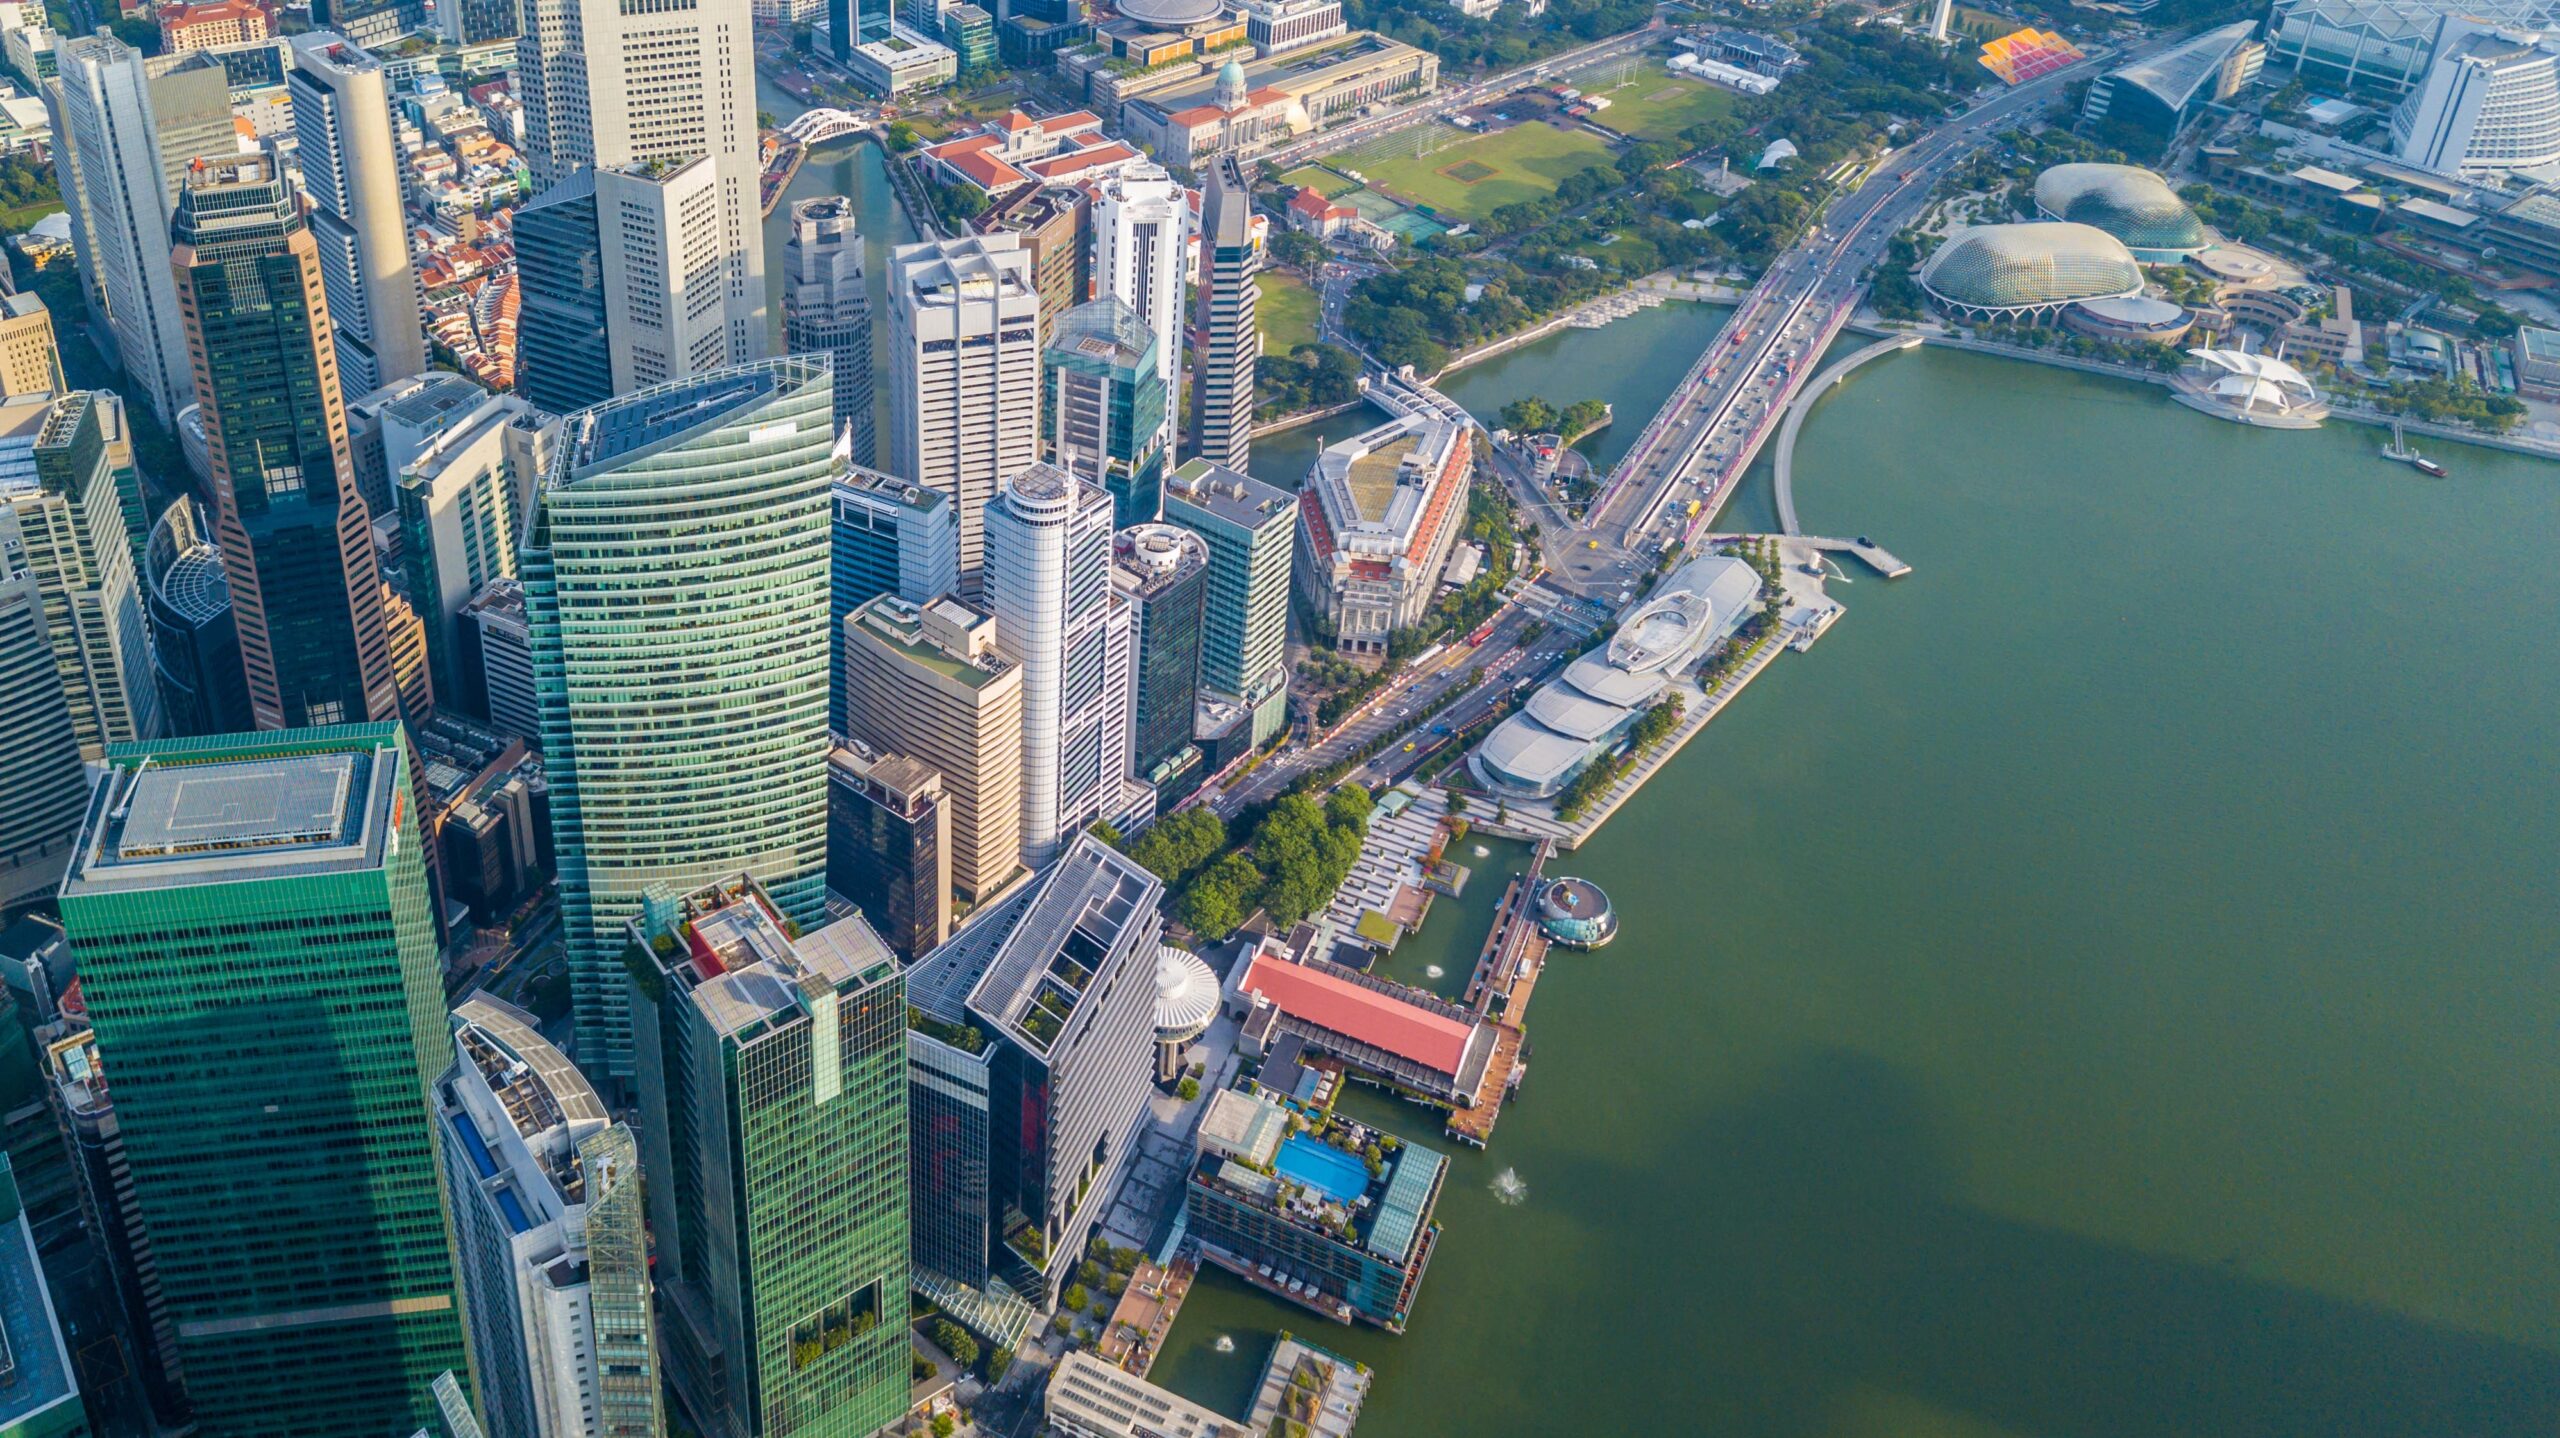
x=2175, y=75
x=2008, y=269
x=2130, y=203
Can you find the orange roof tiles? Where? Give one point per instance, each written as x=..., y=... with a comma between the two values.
x=1380, y=1020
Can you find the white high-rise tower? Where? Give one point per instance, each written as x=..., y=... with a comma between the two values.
x=964, y=375
x=609, y=85
x=1141, y=246
x=1048, y=585
x=351, y=171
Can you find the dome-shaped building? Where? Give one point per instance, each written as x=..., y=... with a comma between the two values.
x=1186, y=1002
x=1168, y=14
x=2029, y=271
x=2132, y=204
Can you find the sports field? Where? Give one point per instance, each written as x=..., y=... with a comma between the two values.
x=1285, y=310
x=1479, y=174
x=1325, y=182
x=1655, y=104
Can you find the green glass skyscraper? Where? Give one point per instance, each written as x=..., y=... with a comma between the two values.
x=772, y=1072
x=676, y=584
x=258, y=959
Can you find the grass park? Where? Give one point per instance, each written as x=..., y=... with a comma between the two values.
x=1655, y=104
x=1475, y=177
x=1287, y=311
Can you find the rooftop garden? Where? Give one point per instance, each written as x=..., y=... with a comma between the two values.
x=964, y=1037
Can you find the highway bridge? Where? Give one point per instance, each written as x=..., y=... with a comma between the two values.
x=1703, y=440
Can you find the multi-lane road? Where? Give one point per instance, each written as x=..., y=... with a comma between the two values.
x=1706, y=435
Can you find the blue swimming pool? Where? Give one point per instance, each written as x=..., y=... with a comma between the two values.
x=1316, y=1164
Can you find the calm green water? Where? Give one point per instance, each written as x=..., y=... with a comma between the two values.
x=2106, y=990
x=1633, y=363
x=1454, y=933
x=850, y=167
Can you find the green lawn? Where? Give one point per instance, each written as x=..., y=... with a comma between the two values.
x=1286, y=310
x=1526, y=162
x=1326, y=182
x=1659, y=105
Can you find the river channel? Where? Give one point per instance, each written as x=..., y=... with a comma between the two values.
x=2107, y=989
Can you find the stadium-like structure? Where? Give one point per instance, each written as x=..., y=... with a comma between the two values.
x=2130, y=203
x=2028, y=271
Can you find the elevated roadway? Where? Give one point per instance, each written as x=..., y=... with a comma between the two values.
x=1702, y=441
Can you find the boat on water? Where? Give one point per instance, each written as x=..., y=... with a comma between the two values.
x=2398, y=451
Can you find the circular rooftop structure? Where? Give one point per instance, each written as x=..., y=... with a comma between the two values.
x=1168, y=14
x=2130, y=203
x=2028, y=270
x=1186, y=995
x=1576, y=914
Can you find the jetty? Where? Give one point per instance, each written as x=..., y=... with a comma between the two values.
x=1506, y=973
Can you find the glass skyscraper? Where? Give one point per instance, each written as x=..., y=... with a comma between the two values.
x=297, y=537
x=773, y=1104
x=1106, y=406
x=1162, y=570
x=258, y=959
x=676, y=583
x=1251, y=531
x=888, y=537
x=565, y=361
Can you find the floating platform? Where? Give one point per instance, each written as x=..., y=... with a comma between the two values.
x=1575, y=913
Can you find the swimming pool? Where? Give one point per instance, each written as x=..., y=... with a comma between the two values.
x=1316, y=1164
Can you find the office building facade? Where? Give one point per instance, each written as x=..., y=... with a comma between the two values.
x=613, y=86
x=495, y=626
x=964, y=351
x=1229, y=338
x=551, y=1235
x=42, y=784
x=564, y=355
x=245, y=909
x=1109, y=412
x=1162, y=573
x=58, y=494
x=30, y=355
x=826, y=310
x=888, y=845
x=126, y=130
x=1032, y=1070
x=351, y=172
x=306, y=597
x=1048, y=586
x=1142, y=258
x=194, y=646
x=1249, y=528
x=676, y=585
x=458, y=526
x=887, y=537
x=928, y=681
x=774, y=1129
x=85, y=1110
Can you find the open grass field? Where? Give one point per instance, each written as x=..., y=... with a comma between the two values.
x=1286, y=310
x=1475, y=177
x=1324, y=181
x=1657, y=105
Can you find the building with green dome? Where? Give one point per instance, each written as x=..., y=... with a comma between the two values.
x=2130, y=203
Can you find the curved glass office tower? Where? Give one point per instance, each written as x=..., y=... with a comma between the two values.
x=676, y=585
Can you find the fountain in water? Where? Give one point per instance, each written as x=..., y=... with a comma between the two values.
x=1483, y=853
x=1508, y=1188
x=1225, y=1344
x=1434, y=970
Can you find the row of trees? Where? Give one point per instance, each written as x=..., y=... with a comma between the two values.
x=1511, y=37
x=1586, y=788
x=1533, y=414
x=1301, y=852
x=1311, y=376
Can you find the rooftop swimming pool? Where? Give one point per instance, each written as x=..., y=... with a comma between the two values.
x=1313, y=1163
